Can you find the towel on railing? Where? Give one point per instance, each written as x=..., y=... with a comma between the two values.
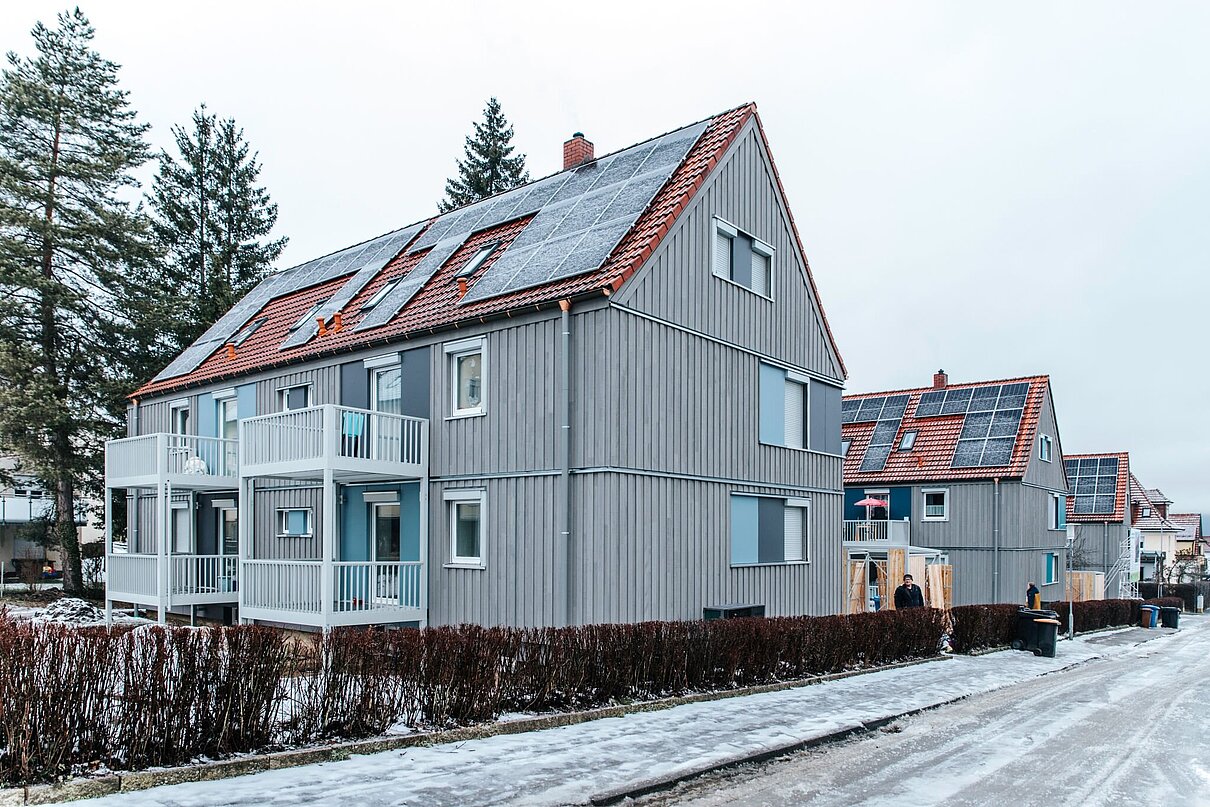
x=353, y=424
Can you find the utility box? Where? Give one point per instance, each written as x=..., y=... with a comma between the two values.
x=732, y=611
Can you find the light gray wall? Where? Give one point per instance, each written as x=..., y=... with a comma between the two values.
x=1050, y=475
x=1097, y=546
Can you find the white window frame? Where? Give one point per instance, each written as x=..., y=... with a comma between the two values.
x=1057, y=500
x=378, y=296
x=904, y=443
x=453, y=352
x=1046, y=448
x=452, y=499
x=482, y=254
x=879, y=493
x=730, y=231
x=281, y=520
x=174, y=415
x=374, y=373
x=924, y=494
x=374, y=505
x=191, y=527
x=844, y=447
x=283, y=397
x=804, y=383
x=1145, y=512
x=381, y=360
x=805, y=506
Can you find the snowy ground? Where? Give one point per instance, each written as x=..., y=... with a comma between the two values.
x=69, y=611
x=570, y=764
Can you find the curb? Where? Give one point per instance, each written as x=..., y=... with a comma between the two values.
x=87, y=788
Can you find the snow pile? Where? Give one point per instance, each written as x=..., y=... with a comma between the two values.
x=72, y=611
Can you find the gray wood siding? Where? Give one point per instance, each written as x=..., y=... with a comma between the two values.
x=1047, y=474
x=657, y=398
x=1096, y=546
x=677, y=284
x=266, y=545
x=324, y=381
x=660, y=548
x=973, y=573
x=519, y=429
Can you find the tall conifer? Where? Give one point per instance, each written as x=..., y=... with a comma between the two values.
x=488, y=165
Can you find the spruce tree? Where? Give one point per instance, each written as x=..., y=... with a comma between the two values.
x=211, y=222
x=488, y=165
x=68, y=144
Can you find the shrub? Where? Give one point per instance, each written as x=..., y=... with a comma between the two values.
x=1097, y=614
x=974, y=627
x=1186, y=591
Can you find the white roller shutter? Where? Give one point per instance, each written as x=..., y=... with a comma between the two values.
x=795, y=525
x=760, y=273
x=796, y=420
x=722, y=254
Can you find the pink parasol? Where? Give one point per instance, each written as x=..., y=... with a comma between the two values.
x=870, y=502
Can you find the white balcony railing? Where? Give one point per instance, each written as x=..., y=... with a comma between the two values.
x=893, y=532
x=364, y=586
x=131, y=574
x=341, y=436
x=22, y=509
x=283, y=585
x=203, y=574
x=204, y=459
x=295, y=586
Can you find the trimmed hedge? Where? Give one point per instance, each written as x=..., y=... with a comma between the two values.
x=976, y=627
x=1097, y=614
x=74, y=698
x=1187, y=592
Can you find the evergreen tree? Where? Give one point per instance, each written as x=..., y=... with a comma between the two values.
x=68, y=143
x=488, y=165
x=211, y=220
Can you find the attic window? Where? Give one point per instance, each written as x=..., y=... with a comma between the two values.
x=477, y=259
x=909, y=440
x=379, y=295
x=309, y=316
x=741, y=258
x=247, y=331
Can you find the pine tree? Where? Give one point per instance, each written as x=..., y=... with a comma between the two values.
x=68, y=144
x=211, y=220
x=488, y=165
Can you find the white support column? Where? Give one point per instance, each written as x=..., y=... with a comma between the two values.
x=327, y=580
x=109, y=550
x=163, y=511
x=425, y=543
x=246, y=505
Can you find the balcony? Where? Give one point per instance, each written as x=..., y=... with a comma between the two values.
x=22, y=509
x=184, y=461
x=354, y=444
x=896, y=533
x=191, y=579
x=360, y=593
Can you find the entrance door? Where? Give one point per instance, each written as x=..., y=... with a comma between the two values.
x=228, y=429
x=384, y=526
x=228, y=547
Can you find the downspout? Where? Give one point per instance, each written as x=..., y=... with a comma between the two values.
x=996, y=543
x=565, y=459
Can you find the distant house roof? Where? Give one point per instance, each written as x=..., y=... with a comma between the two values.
x=1190, y=525
x=979, y=430
x=578, y=233
x=1087, y=481
x=1156, y=495
x=1152, y=521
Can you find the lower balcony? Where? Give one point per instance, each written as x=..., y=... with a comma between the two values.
x=356, y=592
x=190, y=579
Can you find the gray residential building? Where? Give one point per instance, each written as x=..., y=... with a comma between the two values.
x=1099, y=517
x=970, y=474
x=609, y=395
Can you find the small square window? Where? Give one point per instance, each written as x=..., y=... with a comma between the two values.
x=292, y=398
x=908, y=440
x=467, y=509
x=294, y=523
x=466, y=377
x=741, y=258
x=477, y=260
x=936, y=504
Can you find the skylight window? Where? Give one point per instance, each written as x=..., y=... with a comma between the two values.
x=477, y=259
x=909, y=440
x=309, y=316
x=247, y=331
x=379, y=295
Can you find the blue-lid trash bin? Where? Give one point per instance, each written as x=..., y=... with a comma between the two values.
x=1149, y=615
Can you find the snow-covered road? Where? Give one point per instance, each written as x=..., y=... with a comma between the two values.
x=571, y=764
x=1133, y=728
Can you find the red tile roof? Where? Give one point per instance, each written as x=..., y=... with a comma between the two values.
x=1120, y=498
x=1138, y=495
x=931, y=456
x=1190, y=525
x=437, y=306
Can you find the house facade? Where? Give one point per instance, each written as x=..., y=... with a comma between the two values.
x=1098, y=516
x=609, y=395
x=1158, y=534
x=970, y=471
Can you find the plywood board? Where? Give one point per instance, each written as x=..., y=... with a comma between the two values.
x=896, y=566
x=857, y=587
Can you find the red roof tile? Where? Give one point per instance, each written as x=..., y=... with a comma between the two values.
x=1154, y=521
x=1119, y=502
x=931, y=456
x=436, y=304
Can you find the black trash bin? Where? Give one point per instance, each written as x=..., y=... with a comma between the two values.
x=1170, y=617
x=1037, y=631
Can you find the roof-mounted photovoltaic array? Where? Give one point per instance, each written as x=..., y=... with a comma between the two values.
x=885, y=413
x=989, y=428
x=1094, y=484
x=581, y=215
x=358, y=259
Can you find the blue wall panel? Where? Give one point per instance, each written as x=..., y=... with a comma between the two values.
x=772, y=405
x=745, y=529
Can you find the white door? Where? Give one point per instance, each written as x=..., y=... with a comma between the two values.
x=384, y=546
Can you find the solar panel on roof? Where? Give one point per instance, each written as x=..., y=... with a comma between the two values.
x=871, y=408
x=848, y=411
x=930, y=404
x=989, y=428
x=956, y=402
x=1094, y=483
x=875, y=458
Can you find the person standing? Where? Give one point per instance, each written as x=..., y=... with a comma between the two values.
x=909, y=594
x=1033, y=596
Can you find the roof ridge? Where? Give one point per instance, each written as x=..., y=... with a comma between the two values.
x=908, y=391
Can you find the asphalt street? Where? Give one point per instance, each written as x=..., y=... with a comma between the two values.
x=1132, y=728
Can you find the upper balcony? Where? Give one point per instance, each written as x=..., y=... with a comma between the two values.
x=355, y=444
x=22, y=509
x=186, y=461
x=896, y=533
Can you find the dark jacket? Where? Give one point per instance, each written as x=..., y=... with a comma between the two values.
x=1030, y=594
x=909, y=598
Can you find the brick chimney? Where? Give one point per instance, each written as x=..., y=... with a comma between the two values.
x=576, y=151
x=940, y=379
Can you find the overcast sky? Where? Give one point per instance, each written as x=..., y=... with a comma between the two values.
x=995, y=189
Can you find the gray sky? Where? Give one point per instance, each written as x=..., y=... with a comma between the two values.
x=998, y=190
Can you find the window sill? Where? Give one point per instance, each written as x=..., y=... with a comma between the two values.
x=738, y=285
x=478, y=413
x=781, y=563
x=461, y=565
x=803, y=450
x=935, y=520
